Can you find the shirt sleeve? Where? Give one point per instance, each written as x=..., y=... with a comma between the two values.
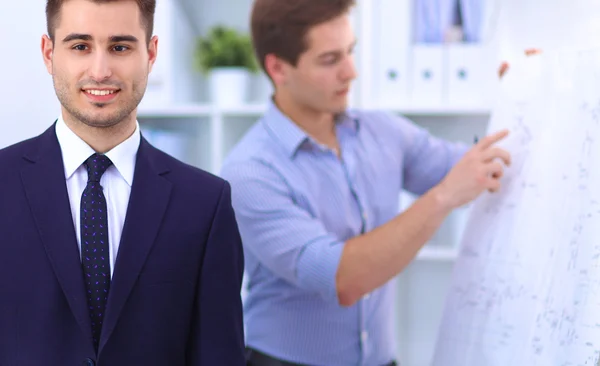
x=426, y=158
x=283, y=236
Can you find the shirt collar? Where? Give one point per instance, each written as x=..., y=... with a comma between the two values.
x=75, y=151
x=291, y=136
x=349, y=120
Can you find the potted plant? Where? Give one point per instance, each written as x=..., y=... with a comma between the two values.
x=226, y=56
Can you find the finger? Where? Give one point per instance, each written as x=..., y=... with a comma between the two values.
x=502, y=69
x=493, y=185
x=532, y=51
x=489, y=140
x=497, y=153
x=495, y=170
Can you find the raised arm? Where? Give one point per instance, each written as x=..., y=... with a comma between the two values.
x=370, y=260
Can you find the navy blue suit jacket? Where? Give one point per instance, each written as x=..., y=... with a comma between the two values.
x=175, y=294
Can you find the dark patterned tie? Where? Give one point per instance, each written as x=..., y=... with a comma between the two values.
x=94, y=242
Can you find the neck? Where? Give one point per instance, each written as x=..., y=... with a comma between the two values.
x=102, y=139
x=319, y=125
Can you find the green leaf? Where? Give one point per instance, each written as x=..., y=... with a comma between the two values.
x=224, y=47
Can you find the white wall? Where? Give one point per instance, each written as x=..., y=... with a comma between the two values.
x=549, y=24
x=27, y=99
x=229, y=12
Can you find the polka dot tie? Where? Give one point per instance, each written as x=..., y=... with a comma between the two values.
x=94, y=242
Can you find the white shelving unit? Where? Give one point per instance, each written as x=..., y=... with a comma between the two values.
x=202, y=134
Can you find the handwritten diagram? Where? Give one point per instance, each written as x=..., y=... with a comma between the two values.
x=526, y=286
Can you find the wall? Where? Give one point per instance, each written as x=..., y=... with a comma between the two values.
x=555, y=25
x=27, y=96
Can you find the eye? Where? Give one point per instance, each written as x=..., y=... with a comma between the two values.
x=120, y=48
x=80, y=47
x=330, y=60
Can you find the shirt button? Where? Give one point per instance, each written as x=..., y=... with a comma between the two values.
x=364, y=336
x=367, y=296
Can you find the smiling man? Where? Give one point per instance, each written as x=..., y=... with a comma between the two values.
x=112, y=252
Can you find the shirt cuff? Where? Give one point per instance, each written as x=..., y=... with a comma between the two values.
x=318, y=264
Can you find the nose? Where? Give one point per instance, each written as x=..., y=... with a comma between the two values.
x=349, y=69
x=100, y=69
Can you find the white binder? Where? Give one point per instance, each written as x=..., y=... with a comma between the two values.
x=392, y=39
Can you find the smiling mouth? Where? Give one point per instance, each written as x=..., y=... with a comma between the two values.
x=101, y=97
x=99, y=92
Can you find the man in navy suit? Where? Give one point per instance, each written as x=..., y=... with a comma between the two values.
x=112, y=252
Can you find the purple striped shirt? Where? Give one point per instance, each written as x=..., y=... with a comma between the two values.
x=297, y=203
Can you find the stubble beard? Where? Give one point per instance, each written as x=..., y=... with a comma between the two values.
x=124, y=108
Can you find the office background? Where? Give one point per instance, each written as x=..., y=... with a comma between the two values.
x=419, y=58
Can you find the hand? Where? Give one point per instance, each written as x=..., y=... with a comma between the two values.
x=480, y=169
x=504, y=65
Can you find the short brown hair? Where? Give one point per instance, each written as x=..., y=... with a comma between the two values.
x=147, y=8
x=280, y=27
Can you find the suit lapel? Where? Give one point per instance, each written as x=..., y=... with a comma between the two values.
x=44, y=183
x=147, y=204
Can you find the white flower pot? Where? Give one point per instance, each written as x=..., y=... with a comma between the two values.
x=229, y=86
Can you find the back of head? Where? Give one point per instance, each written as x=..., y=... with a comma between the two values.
x=280, y=27
x=147, y=9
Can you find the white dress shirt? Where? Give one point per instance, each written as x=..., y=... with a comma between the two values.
x=116, y=181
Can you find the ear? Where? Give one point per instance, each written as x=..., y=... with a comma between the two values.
x=152, y=52
x=47, y=52
x=276, y=68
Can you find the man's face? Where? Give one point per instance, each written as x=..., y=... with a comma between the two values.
x=322, y=77
x=99, y=61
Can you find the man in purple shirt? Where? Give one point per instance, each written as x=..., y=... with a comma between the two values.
x=315, y=187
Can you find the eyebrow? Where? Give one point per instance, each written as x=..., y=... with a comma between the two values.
x=87, y=37
x=77, y=36
x=123, y=38
x=335, y=53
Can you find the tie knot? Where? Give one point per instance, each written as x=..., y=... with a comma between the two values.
x=96, y=166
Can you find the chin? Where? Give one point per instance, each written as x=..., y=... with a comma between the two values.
x=339, y=107
x=101, y=122
x=104, y=117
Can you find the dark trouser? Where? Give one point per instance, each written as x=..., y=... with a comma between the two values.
x=257, y=358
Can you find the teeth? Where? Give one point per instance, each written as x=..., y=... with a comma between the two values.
x=100, y=92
